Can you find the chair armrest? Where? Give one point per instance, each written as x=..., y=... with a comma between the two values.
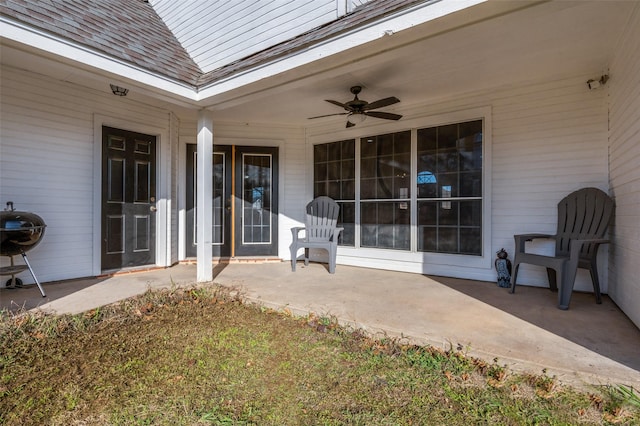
x=522, y=238
x=295, y=232
x=530, y=237
x=336, y=234
x=576, y=246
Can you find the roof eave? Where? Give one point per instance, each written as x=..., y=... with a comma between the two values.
x=86, y=57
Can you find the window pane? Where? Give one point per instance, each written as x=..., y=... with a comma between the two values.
x=320, y=153
x=348, y=169
x=348, y=189
x=347, y=220
x=385, y=225
x=447, y=136
x=471, y=213
x=334, y=176
x=450, y=227
x=449, y=160
x=333, y=151
x=334, y=189
x=471, y=241
x=320, y=171
x=385, y=167
x=348, y=149
x=471, y=184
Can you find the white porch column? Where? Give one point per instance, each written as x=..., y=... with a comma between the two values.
x=204, y=195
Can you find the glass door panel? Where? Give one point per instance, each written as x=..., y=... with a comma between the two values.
x=256, y=212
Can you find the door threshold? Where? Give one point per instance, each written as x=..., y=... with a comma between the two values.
x=242, y=259
x=130, y=270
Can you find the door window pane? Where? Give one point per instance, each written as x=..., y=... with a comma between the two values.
x=219, y=197
x=256, y=197
x=218, y=201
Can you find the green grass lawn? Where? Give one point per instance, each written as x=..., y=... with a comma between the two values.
x=201, y=356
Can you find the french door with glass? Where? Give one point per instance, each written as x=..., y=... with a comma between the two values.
x=244, y=204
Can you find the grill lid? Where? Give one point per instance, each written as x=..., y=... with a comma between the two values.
x=19, y=231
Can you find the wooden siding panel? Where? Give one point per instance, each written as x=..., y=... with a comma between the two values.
x=175, y=187
x=47, y=163
x=216, y=33
x=548, y=140
x=624, y=137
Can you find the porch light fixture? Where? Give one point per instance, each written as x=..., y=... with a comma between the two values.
x=119, y=91
x=595, y=84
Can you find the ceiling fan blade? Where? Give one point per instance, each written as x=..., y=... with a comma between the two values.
x=327, y=115
x=385, y=115
x=340, y=104
x=381, y=103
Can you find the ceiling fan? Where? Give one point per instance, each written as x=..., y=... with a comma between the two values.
x=358, y=109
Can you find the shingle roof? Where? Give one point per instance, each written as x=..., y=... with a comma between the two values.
x=130, y=30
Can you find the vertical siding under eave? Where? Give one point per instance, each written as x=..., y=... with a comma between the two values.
x=47, y=163
x=624, y=139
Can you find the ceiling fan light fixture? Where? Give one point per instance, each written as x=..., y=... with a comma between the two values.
x=355, y=118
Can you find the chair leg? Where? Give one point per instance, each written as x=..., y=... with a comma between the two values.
x=306, y=257
x=596, y=282
x=514, y=277
x=552, y=276
x=293, y=258
x=568, y=275
x=332, y=259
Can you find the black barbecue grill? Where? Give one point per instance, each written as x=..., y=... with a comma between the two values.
x=19, y=233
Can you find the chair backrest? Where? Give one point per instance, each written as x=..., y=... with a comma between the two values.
x=583, y=214
x=322, y=217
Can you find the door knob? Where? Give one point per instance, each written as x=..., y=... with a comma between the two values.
x=153, y=208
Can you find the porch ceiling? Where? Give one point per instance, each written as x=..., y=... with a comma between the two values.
x=512, y=43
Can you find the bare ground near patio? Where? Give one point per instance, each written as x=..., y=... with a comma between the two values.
x=200, y=355
x=588, y=344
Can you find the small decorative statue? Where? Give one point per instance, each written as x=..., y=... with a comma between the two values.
x=503, y=266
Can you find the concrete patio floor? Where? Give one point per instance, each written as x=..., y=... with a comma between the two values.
x=588, y=344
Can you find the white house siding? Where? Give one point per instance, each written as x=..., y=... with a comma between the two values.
x=548, y=139
x=175, y=189
x=293, y=168
x=216, y=33
x=624, y=139
x=48, y=164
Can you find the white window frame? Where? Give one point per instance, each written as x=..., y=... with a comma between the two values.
x=412, y=260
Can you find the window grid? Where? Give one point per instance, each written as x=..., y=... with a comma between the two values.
x=445, y=193
x=334, y=176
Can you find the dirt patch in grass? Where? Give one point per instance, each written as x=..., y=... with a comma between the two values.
x=202, y=356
